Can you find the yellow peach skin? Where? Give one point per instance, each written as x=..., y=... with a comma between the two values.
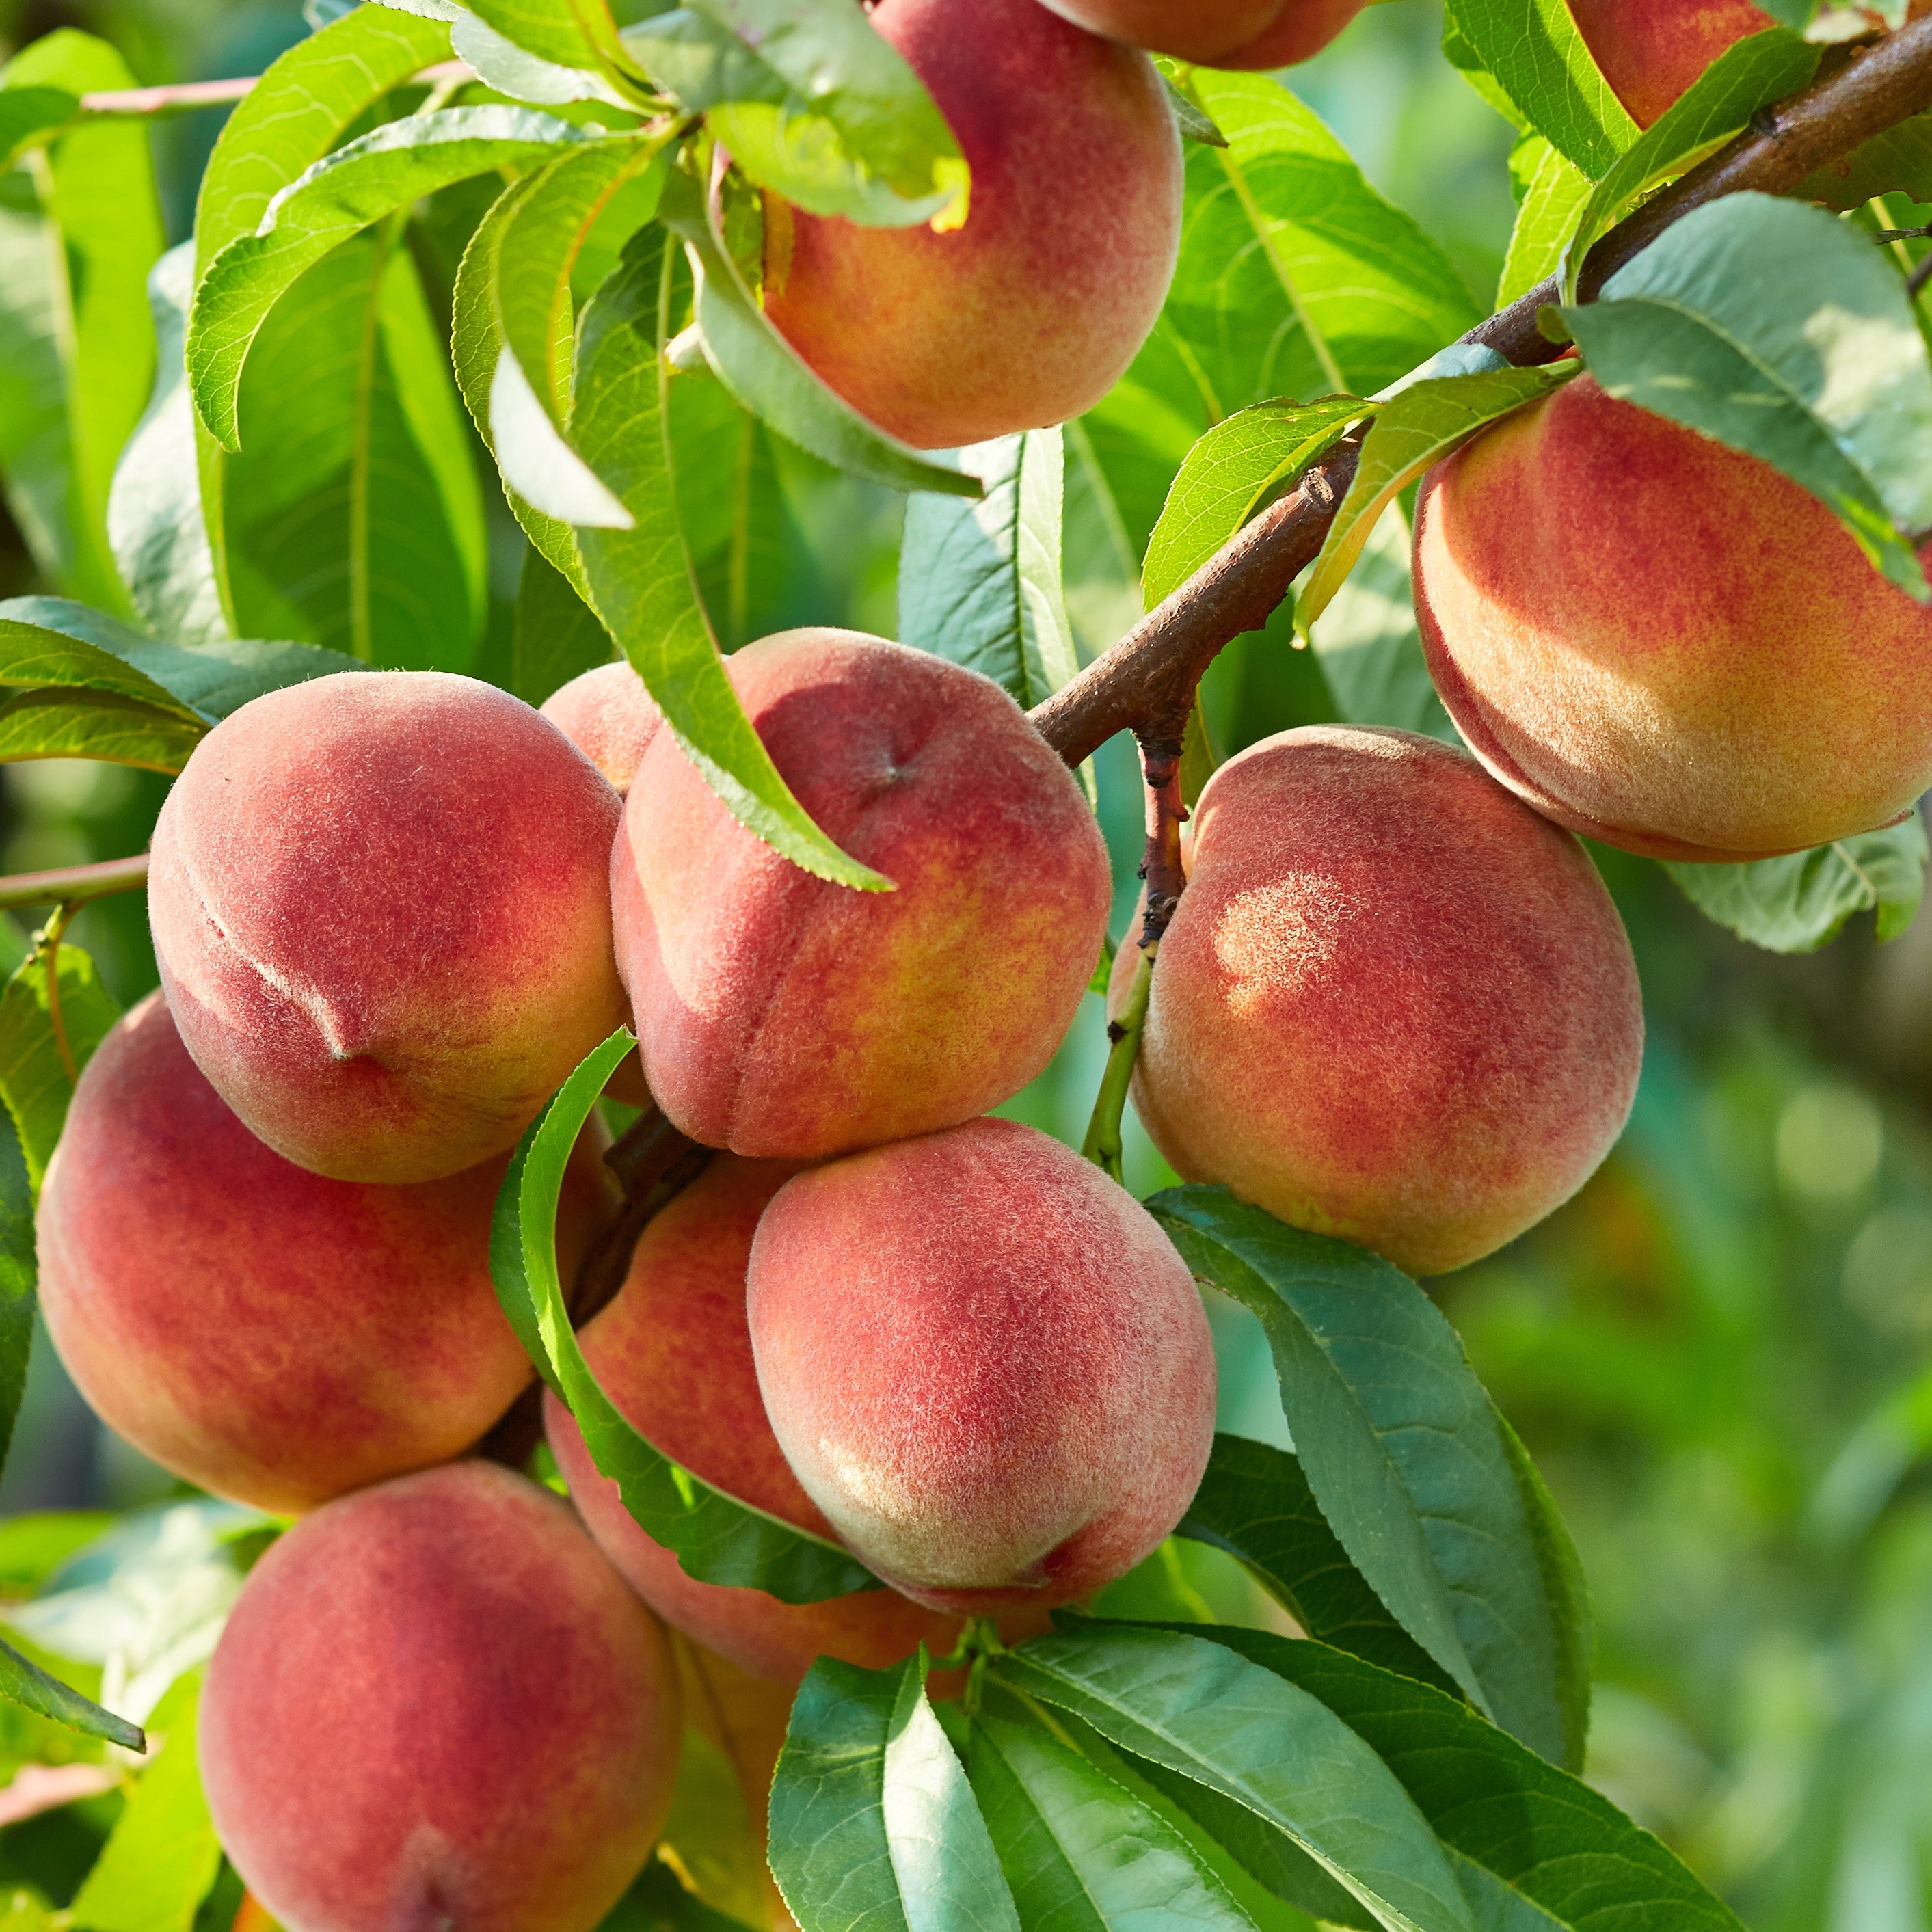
x=380, y=907
x=1252, y=34
x=985, y=1364
x=1027, y=314
x=1395, y=1005
x=272, y=1335
x=1664, y=644
x=782, y=1016
x=435, y=1704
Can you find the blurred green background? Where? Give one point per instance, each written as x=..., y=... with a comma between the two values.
x=1718, y=1352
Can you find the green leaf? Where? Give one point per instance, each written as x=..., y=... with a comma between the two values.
x=1898, y=161
x=96, y=184
x=1776, y=329
x=354, y=517
x=34, y=461
x=1414, y=430
x=716, y=1539
x=1406, y=1454
x=873, y=1823
x=162, y=1855
x=26, y=1683
x=56, y=724
x=567, y=33
x=557, y=635
x=500, y=64
x=641, y=580
x=1369, y=647
x=1080, y=1853
x=1234, y=471
x=542, y=237
x=31, y=116
x=53, y=640
x=813, y=103
x=1255, y=1503
x=1533, y=1846
x=1762, y=68
x=476, y=350
x=293, y=115
x=155, y=522
x=19, y=1282
x=352, y=189
x=1198, y=1708
x=48, y=1032
x=1554, y=191
x=1533, y=49
x=657, y=1902
x=980, y=583
x=760, y=368
x=1802, y=902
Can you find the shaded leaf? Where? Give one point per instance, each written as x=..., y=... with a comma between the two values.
x=26, y=1683
x=980, y=583
x=20, y=1281
x=641, y=580
x=557, y=635
x=1778, y=330
x=1199, y=1709
x=716, y=1539
x=1255, y=1503
x=1414, y=430
x=56, y=724
x=1801, y=902
x=760, y=369
x=873, y=1822
x=1406, y=1454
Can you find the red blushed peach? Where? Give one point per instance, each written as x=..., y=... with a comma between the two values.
x=1256, y=33
x=985, y=1364
x=1395, y=1005
x=779, y=1015
x=270, y=1335
x=610, y=717
x=380, y=907
x=1665, y=644
x=437, y=1704
x=673, y=1352
x=1028, y=313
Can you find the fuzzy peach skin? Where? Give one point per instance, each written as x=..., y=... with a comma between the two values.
x=269, y=1335
x=1255, y=33
x=986, y=1364
x=610, y=717
x=380, y=903
x=1663, y=643
x=673, y=1353
x=782, y=1016
x=1396, y=1006
x=437, y=1704
x=1651, y=51
x=1027, y=314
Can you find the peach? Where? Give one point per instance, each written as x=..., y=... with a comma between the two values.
x=272, y=1335
x=1255, y=33
x=1665, y=644
x=986, y=1364
x=435, y=1704
x=1651, y=51
x=779, y=1015
x=1395, y=1005
x=380, y=904
x=1027, y=314
x=673, y=1353
x=609, y=716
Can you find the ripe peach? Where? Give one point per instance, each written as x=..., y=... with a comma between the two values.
x=673, y=1353
x=380, y=907
x=1256, y=33
x=780, y=1015
x=986, y=1364
x=1395, y=1005
x=610, y=717
x=435, y=1704
x=1664, y=642
x=1651, y=51
x=1027, y=314
x=270, y=1335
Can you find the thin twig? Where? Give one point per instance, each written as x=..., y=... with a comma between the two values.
x=74, y=885
x=1142, y=677
x=185, y=97
x=50, y=944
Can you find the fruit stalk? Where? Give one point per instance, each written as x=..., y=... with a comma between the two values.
x=1146, y=673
